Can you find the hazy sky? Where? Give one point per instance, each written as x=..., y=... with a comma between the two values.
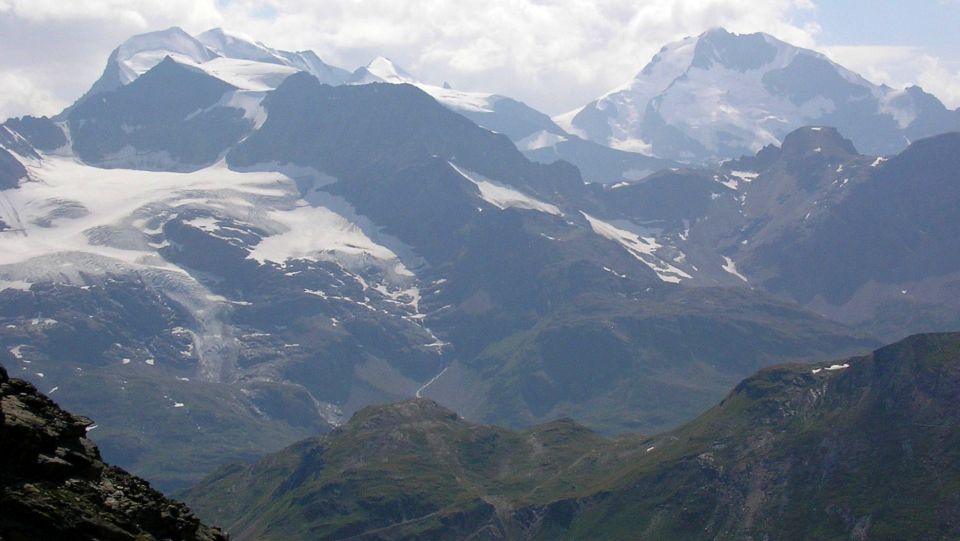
x=552, y=54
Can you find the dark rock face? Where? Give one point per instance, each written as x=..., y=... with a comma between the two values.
x=742, y=53
x=665, y=196
x=11, y=171
x=54, y=486
x=363, y=133
x=41, y=132
x=167, y=115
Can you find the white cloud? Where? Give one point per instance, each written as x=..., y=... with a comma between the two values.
x=54, y=50
x=136, y=12
x=941, y=78
x=21, y=93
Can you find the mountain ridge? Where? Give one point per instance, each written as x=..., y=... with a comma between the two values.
x=788, y=454
x=791, y=453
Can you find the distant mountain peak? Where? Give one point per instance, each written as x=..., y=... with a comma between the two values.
x=720, y=95
x=141, y=52
x=233, y=44
x=382, y=69
x=224, y=54
x=742, y=52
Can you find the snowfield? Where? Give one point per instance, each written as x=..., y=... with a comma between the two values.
x=115, y=213
x=644, y=248
x=78, y=224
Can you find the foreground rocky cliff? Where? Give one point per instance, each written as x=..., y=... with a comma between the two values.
x=53, y=485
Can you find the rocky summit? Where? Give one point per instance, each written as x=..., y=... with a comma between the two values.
x=54, y=486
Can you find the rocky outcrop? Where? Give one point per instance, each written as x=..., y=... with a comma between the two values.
x=54, y=486
x=11, y=170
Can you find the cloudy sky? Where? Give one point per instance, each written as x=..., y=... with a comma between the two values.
x=553, y=54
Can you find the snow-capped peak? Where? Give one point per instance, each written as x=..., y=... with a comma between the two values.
x=241, y=47
x=232, y=57
x=235, y=45
x=382, y=70
x=141, y=52
x=720, y=95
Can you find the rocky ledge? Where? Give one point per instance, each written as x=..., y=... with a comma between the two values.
x=54, y=486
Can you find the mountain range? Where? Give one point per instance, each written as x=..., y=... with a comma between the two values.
x=223, y=248
x=861, y=448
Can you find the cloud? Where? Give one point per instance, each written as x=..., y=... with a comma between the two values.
x=22, y=93
x=941, y=78
x=54, y=50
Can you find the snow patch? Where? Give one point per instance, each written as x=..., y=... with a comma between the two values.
x=20, y=285
x=615, y=273
x=632, y=144
x=728, y=182
x=503, y=197
x=247, y=74
x=731, y=268
x=458, y=100
x=319, y=233
x=745, y=176
x=642, y=248
x=831, y=368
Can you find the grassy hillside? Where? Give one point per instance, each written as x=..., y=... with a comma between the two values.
x=864, y=448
